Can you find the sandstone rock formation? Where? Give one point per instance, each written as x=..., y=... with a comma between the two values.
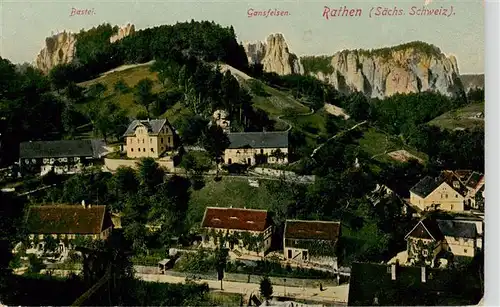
x=59, y=49
x=124, y=31
x=408, y=68
x=274, y=55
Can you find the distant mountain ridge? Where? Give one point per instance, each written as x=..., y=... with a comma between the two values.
x=472, y=81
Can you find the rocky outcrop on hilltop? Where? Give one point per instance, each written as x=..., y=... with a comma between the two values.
x=274, y=55
x=59, y=49
x=409, y=68
x=124, y=31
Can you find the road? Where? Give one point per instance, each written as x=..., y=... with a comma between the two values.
x=329, y=294
x=336, y=135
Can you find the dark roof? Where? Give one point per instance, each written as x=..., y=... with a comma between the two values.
x=67, y=219
x=276, y=139
x=428, y=184
x=474, y=179
x=442, y=287
x=425, y=186
x=59, y=149
x=457, y=229
x=451, y=178
x=234, y=218
x=426, y=229
x=154, y=126
x=316, y=230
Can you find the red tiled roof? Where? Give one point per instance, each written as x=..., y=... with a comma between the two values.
x=234, y=218
x=318, y=230
x=67, y=219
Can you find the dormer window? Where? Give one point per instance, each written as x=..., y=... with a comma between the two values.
x=250, y=222
x=456, y=184
x=233, y=218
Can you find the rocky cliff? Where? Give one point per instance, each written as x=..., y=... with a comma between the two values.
x=124, y=31
x=61, y=48
x=274, y=55
x=409, y=68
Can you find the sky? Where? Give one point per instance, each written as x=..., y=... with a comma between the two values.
x=25, y=24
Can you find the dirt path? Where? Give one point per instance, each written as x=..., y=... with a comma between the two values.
x=335, y=136
x=290, y=126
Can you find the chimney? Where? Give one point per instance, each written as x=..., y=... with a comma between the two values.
x=393, y=271
x=423, y=274
x=83, y=204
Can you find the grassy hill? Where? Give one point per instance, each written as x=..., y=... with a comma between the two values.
x=461, y=118
x=131, y=75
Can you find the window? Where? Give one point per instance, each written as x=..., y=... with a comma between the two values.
x=229, y=161
x=142, y=141
x=289, y=254
x=144, y=150
x=152, y=150
x=456, y=195
x=168, y=140
x=451, y=207
x=465, y=250
x=456, y=184
x=162, y=140
x=27, y=161
x=425, y=253
x=446, y=195
x=150, y=140
x=261, y=151
x=131, y=149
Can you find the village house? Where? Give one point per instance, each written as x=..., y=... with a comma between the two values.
x=66, y=223
x=243, y=231
x=62, y=157
x=311, y=242
x=257, y=147
x=431, y=236
x=454, y=191
x=149, y=138
x=393, y=285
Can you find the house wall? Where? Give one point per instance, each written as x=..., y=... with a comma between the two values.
x=460, y=246
x=296, y=254
x=414, y=253
x=242, y=155
x=143, y=145
x=208, y=241
x=39, y=247
x=61, y=165
x=444, y=196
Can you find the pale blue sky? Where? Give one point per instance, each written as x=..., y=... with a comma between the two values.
x=25, y=24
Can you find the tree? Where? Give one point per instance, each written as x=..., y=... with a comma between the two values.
x=150, y=175
x=96, y=90
x=191, y=128
x=358, y=106
x=266, y=288
x=195, y=164
x=215, y=141
x=121, y=87
x=143, y=94
x=60, y=76
x=50, y=244
x=221, y=257
x=279, y=155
